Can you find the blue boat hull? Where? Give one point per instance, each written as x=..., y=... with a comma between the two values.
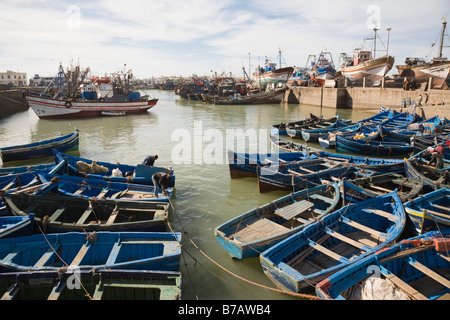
x=41, y=149
x=401, y=261
x=285, y=263
x=142, y=174
x=430, y=211
x=125, y=250
x=237, y=236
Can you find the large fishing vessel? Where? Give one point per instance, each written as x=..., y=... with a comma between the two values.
x=364, y=64
x=436, y=71
x=269, y=74
x=76, y=96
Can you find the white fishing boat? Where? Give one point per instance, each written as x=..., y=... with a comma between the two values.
x=76, y=97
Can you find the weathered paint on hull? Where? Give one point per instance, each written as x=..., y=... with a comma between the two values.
x=374, y=69
x=47, y=108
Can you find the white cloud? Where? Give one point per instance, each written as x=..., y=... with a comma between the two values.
x=186, y=36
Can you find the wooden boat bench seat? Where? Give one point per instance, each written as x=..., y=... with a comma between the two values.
x=46, y=256
x=440, y=207
x=410, y=291
x=321, y=197
x=348, y=240
x=294, y=209
x=258, y=229
x=102, y=194
x=381, y=213
x=361, y=227
x=326, y=251
x=58, y=212
x=80, y=191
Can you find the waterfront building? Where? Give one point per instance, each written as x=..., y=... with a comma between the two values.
x=13, y=78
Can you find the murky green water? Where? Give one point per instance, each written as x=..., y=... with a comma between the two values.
x=205, y=195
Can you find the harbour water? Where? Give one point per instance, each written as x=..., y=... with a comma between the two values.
x=205, y=195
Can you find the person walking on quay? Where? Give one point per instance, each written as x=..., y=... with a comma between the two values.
x=161, y=180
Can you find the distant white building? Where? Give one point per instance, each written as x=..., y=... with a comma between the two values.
x=13, y=78
x=38, y=81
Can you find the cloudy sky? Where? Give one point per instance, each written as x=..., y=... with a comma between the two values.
x=185, y=37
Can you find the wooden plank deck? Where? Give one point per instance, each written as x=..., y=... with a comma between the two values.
x=294, y=209
x=258, y=229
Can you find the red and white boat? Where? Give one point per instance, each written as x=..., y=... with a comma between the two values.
x=49, y=108
x=101, y=97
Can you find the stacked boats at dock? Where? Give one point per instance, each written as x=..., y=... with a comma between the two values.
x=348, y=211
x=80, y=219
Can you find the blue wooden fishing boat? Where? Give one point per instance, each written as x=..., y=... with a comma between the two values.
x=296, y=130
x=364, y=133
x=377, y=148
x=40, y=149
x=414, y=269
x=16, y=226
x=96, y=284
x=99, y=189
x=254, y=231
x=369, y=187
x=378, y=118
x=336, y=241
x=280, y=129
x=116, y=172
x=424, y=128
x=245, y=164
x=305, y=174
x=401, y=121
x=432, y=179
x=111, y=250
x=430, y=211
x=27, y=168
x=372, y=164
x=57, y=214
x=290, y=146
x=313, y=135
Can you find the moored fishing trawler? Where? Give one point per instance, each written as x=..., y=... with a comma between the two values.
x=269, y=74
x=436, y=72
x=77, y=97
x=364, y=64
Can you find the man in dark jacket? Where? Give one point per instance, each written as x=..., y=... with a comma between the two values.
x=150, y=160
x=161, y=180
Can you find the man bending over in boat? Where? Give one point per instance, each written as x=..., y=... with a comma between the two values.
x=437, y=154
x=161, y=181
x=150, y=160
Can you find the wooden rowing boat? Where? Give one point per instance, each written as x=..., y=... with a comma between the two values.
x=430, y=211
x=250, y=233
x=57, y=214
x=40, y=149
x=414, y=269
x=336, y=241
x=96, y=284
x=368, y=187
x=111, y=250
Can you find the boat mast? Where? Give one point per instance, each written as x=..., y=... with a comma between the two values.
x=375, y=43
x=441, y=45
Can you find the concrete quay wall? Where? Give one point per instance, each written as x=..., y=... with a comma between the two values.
x=363, y=98
x=11, y=102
